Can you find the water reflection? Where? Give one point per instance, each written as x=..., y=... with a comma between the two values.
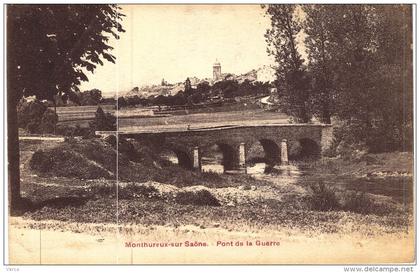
x=171, y=158
x=259, y=170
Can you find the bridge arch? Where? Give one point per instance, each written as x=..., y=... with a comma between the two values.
x=230, y=158
x=219, y=156
x=184, y=159
x=305, y=148
x=177, y=154
x=263, y=151
x=271, y=151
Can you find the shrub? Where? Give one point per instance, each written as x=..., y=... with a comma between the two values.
x=83, y=159
x=199, y=198
x=73, y=130
x=211, y=177
x=48, y=122
x=35, y=117
x=133, y=190
x=103, y=121
x=66, y=163
x=323, y=198
x=360, y=202
x=124, y=147
x=41, y=161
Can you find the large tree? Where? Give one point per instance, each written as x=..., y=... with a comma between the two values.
x=49, y=50
x=292, y=78
x=360, y=69
x=394, y=76
x=360, y=61
x=320, y=49
x=370, y=46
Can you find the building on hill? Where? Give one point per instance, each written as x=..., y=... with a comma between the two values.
x=217, y=71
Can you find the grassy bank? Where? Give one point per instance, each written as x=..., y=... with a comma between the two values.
x=369, y=196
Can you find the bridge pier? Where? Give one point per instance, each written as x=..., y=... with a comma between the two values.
x=284, y=157
x=242, y=157
x=196, y=159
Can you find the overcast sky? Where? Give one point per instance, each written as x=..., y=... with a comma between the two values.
x=180, y=41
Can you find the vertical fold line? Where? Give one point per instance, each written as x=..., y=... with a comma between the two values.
x=117, y=140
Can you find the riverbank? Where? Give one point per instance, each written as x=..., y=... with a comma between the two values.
x=369, y=201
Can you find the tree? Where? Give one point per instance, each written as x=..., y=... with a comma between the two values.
x=317, y=26
x=133, y=100
x=292, y=79
x=188, y=88
x=49, y=50
x=35, y=117
x=360, y=59
x=355, y=48
x=91, y=97
x=103, y=121
x=394, y=78
x=229, y=88
x=121, y=102
x=204, y=88
x=74, y=96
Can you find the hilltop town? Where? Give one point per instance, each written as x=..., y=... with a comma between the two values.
x=263, y=74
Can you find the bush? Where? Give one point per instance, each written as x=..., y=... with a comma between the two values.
x=66, y=163
x=360, y=202
x=323, y=198
x=35, y=117
x=377, y=137
x=73, y=130
x=48, y=122
x=41, y=161
x=211, y=177
x=133, y=190
x=103, y=121
x=198, y=198
x=124, y=146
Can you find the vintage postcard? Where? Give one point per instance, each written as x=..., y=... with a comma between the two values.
x=210, y=134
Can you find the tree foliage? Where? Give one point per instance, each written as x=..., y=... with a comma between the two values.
x=49, y=50
x=320, y=63
x=90, y=97
x=35, y=117
x=52, y=46
x=103, y=121
x=292, y=77
x=359, y=68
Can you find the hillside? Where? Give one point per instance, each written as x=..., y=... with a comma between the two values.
x=262, y=74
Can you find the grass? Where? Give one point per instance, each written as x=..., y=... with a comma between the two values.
x=386, y=174
x=234, y=202
x=96, y=159
x=396, y=162
x=197, y=198
x=323, y=198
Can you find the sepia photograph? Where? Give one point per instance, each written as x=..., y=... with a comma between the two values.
x=209, y=134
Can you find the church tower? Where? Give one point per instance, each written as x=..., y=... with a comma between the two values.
x=217, y=71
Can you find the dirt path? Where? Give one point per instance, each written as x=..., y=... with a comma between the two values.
x=104, y=245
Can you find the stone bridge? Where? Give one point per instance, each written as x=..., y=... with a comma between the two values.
x=235, y=141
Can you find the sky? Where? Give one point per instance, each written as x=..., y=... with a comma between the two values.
x=173, y=42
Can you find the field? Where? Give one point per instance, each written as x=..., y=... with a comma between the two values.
x=131, y=118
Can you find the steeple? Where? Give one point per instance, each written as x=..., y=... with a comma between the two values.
x=217, y=71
